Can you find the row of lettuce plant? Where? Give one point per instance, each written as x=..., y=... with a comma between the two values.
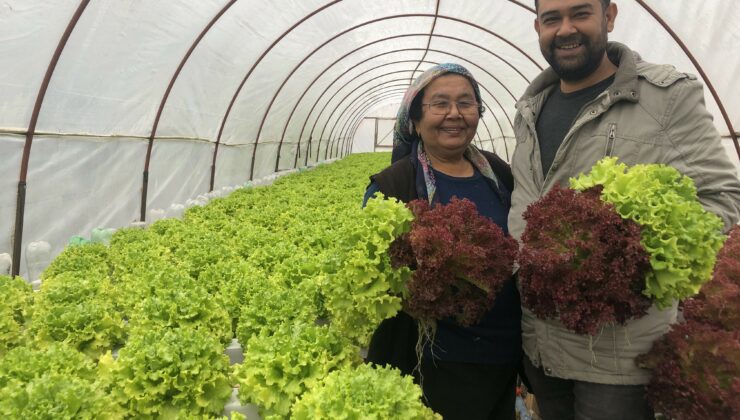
x=138, y=328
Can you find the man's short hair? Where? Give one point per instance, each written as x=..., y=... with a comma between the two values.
x=604, y=4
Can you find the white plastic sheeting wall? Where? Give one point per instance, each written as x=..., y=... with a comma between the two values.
x=315, y=81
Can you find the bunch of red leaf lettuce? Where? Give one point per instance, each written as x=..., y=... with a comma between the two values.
x=461, y=260
x=696, y=366
x=718, y=302
x=581, y=261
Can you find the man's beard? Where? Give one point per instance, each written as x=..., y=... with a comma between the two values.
x=584, y=65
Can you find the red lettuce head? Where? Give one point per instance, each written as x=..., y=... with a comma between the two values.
x=461, y=260
x=695, y=373
x=581, y=262
x=718, y=302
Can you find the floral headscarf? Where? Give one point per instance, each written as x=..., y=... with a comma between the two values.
x=406, y=142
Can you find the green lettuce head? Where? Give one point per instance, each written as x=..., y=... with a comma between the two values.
x=681, y=237
x=363, y=392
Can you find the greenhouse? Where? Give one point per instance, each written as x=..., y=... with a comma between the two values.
x=183, y=232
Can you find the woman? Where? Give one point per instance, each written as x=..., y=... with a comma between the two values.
x=472, y=372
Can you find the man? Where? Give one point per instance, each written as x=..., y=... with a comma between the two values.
x=599, y=99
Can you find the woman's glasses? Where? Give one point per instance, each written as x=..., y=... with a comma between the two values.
x=444, y=107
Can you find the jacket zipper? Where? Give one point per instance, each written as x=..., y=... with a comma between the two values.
x=610, y=139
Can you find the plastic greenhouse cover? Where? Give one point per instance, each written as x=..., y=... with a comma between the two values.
x=279, y=83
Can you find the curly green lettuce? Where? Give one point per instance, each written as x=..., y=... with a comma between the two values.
x=169, y=373
x=52, y=382
x=88, y=258
x=15, y=311
x=77, y=308
x=367, y=289
x=264, y=310
x=280, y=367
x=174, y=300
x=681, y=237
x=363, y=392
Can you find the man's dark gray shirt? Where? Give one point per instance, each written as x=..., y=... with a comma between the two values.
x=557, y=116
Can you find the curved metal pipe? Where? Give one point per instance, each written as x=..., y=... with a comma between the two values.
x=249, y=73
x=290, y=116
x=456, y=56
x=429, y=42
x=524, y=6
x=370, y=102
x=703, y=74
x=344, y=98
x=20, y=208
x=150, y=145
x=300, y=136
x=484, y=123
x=357, y=118
x=264, y=117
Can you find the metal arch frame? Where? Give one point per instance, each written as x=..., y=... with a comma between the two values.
x=292, y=112
x=150, y=145
x=442, y=52
x=357, y=119
x=21, y=198
x=290, y=116
x=488, y=91
x=365, y=105
x=396, y=92
x=368, y=102
x=378, y=55
x=429, y=42
x=703, y=74
x=352, y=131
x=389, y=52
x=246, y=77
x=522, y=5
x=405, y=15
x=318, y=146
